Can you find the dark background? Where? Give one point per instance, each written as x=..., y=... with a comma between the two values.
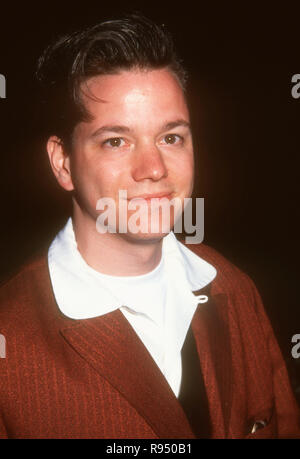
x=246, y=128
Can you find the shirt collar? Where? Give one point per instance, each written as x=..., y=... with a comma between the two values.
x=81, y=293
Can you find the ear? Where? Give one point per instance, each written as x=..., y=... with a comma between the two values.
x=60, y=162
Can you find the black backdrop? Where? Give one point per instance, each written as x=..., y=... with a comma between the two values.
x=241, y=57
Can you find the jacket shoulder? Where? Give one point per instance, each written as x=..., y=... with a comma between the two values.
x=229, y=277
x=211, y=255
x=22, y=289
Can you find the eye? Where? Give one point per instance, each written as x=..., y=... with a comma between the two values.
x=172, y=139
x=114, y=142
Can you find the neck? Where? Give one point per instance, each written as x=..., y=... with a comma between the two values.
x=115, y=254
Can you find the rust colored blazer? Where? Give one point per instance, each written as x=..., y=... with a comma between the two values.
x=93, y=378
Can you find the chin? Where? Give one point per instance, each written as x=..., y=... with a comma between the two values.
x=144, y=238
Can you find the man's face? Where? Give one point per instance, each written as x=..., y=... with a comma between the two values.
x=138, y=140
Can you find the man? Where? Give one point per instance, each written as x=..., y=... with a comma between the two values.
x=121, y=331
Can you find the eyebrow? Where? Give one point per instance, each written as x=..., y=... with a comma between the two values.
x=175, y=124
x=125, y=129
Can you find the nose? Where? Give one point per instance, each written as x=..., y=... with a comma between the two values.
x=149, y=164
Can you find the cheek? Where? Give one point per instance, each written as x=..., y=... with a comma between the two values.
x=187, y=180
x=183, y=172
x=96, y=176
x=109, y=177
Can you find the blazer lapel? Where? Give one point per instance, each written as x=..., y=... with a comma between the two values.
x=211, y=331
x=110, y=345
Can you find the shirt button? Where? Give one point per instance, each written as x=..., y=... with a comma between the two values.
x=202, y=298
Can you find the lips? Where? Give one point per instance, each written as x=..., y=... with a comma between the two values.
x=148, y=197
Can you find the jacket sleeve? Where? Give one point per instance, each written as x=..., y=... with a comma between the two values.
x=287, y=410
x=3, y=432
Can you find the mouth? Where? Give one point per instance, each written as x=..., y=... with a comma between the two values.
x=148, y=197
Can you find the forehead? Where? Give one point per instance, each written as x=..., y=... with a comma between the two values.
x=136, y=96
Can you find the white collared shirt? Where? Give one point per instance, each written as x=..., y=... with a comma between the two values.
x=158, y=305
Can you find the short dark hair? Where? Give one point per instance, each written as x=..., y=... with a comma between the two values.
x=108, y=47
